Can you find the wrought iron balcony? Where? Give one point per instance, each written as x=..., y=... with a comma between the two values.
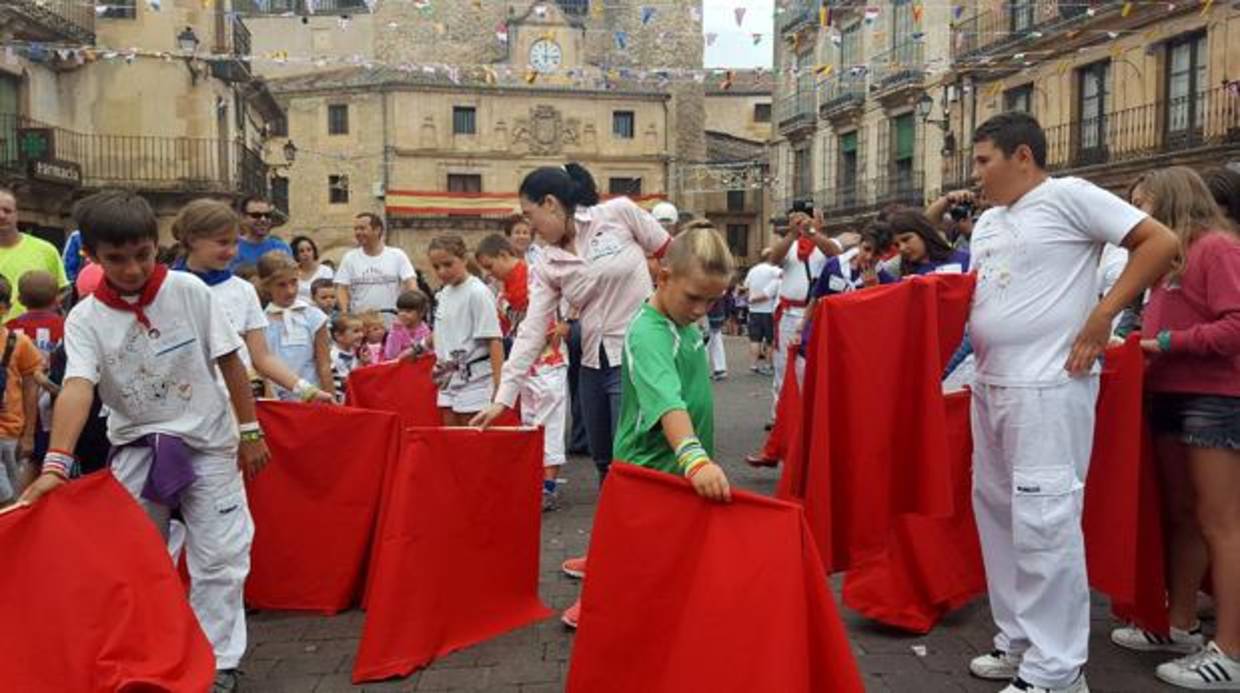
x=142, y=163
x=796, y=112
x=900, y=186
x=233, y=40
x=1009, y=23
x=842, y=93
x=798, y=14
x=846, y=200
x=903, y=66
x=300, y=7
x=69, y=21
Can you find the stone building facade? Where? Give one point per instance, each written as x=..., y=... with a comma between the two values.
x=438, y=129
x=169, y=123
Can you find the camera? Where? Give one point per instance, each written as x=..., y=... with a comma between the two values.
x=962, y=211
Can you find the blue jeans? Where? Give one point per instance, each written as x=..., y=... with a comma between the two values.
x=600, y=408
x=577, y=441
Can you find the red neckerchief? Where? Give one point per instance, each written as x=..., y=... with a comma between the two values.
x=108, y=295
x=805, y=248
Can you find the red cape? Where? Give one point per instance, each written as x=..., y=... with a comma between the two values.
x=91, y=601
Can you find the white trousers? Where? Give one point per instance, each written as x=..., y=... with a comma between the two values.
x=787, y=329
x=219, y=531
x=544, y=402
x=1031, y=449
x=718, y=358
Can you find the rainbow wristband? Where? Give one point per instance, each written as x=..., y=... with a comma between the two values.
x=58, y=463
x=690, y=455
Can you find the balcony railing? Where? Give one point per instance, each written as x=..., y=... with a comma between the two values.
x=71, y=21
x=798, y=13
x=900, y=186
x=903, y=65
x=841, y=93
x=1011, y=22
x=144, y=163
x=796, y=111
x=232, y=39
x=1200, y=123
x=300, y=7
x=846, y=200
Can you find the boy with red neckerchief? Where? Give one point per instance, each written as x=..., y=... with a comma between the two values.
x=151, y=340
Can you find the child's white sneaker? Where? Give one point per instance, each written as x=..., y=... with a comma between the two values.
x=1020, y=685
x=996, y=665
x=1208, y=670
x=1141, y=640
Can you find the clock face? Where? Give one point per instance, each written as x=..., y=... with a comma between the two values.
x=545, y=55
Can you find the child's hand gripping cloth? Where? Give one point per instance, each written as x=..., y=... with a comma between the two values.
x=688, y=595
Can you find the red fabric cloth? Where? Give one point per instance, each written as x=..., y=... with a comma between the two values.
x=787, y=413
x=805, y=248
x=456, y=553
x=91, y=601
x=401, y=387
x=688, y=595
x=108, y=295
x=932, y=566
x=515, y=296
x=32, y=321
x=877, y=445
x=314, y=508
x=406, y=389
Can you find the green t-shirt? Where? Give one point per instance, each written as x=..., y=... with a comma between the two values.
x=664, y=368
x=30, y=253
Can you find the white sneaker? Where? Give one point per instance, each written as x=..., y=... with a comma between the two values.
x=1141, y=640
x=995, y=666
x=1020, y=685
x=1207, y=670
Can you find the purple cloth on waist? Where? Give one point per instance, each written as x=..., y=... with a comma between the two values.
x=172, y=470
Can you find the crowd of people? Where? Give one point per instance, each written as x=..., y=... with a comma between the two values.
x=598, y=315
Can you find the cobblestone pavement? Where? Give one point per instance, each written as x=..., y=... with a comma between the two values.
x=303, y=653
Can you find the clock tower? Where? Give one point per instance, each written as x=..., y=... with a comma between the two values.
x=545, y=40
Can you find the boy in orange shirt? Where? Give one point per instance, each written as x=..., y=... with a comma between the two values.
x=18, y=367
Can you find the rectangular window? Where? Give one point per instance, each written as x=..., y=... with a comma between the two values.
x=904, y=150
x=338, y=190
x=902, y=22
x=802, y=172
x=338, y=119
x=736, y=200
x=1019, y=99
x=1092, y=91
x=623, y=124
x=1186, y=85
x=850, y=47
x=738, y=239
x=624, y=186
x=278, y=127
x=279, y=194
x=119, y=9
x=1020, y=15
x=464, y=182
x=464, y=120
x=848, y=165
x=762, y=113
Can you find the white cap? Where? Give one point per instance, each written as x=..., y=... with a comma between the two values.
x=665, y=211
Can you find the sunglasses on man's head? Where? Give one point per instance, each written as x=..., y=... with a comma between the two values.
x=259, y=215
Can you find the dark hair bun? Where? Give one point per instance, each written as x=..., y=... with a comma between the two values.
x=585, y=192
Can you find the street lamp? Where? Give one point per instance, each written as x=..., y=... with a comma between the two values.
x=925, y=105
x=188, y=42
x=290, y=151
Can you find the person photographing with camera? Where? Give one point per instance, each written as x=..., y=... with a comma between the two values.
x=963, y=206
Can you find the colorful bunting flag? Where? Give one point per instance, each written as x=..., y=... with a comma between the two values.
x=647, y=14
x=740, y=15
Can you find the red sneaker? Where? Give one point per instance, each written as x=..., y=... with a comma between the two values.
x=574, y=567
x=571, y=615
x=757, y=460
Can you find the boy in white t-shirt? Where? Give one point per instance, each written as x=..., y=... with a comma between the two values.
x=372, y=275
x=152, y=341
x=1038, y=330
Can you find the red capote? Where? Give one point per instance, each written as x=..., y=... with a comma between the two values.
x=91, y=601
x=932, y=565
x=456, y=555
x=315, y=504
x=787, y=413
x=688, y=595
x=402, y=387
x=875, y=427
x=1123, y=506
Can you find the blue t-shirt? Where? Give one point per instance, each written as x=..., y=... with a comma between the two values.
x=292, y=339
x=956, y=263
x=248, y=252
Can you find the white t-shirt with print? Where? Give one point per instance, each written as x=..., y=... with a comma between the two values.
x=465, y=316
x=239, y=300
x=1037, y=266
x=158, y=382
x=374, y=281
x=763, y=278
x=794, y=284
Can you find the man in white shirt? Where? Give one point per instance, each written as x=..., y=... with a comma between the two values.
x=1038, y=329
x=762, y=290
x=372, y=276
